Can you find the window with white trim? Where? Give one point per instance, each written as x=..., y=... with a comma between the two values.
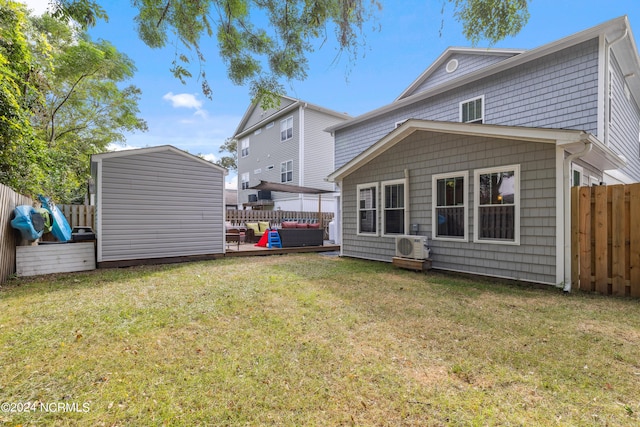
x=576, y=175
x=286, y=129
x=244, y=147
x=270, y=125
x=286, y=171
x=450, y=206
x=497, y=207
x=472, y=110
x=368, y=209
x=245, y=180
x=393, y=208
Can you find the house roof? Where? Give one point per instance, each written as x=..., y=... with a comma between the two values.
x=619, y=28
x=571, y=140
x=295, y=103
x=446, y=55
x=148, y=150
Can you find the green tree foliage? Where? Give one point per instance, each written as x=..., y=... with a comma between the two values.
x=230, y=146
x=263, y=42
x=85, y=108
x=20, y=152
x=61, y=100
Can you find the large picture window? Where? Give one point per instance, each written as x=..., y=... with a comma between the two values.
x=368, y=209
x=286, y=129
x=450, y=205
x=472, y=110
x=497, y=207
x=394, y=207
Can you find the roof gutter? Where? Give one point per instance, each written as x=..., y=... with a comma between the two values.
x=566, y=189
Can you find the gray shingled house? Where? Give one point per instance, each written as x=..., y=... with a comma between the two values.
x=157, y=204
x=480, y=151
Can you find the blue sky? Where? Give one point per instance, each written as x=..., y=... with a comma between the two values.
x=407, y=42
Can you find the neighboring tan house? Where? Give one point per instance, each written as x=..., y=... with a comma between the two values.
x=286, y=145
x=479, y=154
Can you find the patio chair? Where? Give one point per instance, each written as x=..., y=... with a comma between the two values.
x=235, y=236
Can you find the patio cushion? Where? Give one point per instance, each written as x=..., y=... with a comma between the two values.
x=256, y=229
x=301, y=225
x=289, y=224
x=264, y=225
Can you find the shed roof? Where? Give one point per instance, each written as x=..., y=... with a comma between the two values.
x=148, y=150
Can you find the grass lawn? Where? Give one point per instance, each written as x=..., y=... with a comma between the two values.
x=311, y=340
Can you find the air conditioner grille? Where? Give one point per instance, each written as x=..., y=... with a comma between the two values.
x=405, y=247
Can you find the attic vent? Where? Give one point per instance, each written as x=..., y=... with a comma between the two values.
x=452, y=65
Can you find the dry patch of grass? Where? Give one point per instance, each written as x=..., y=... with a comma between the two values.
x=312, y=340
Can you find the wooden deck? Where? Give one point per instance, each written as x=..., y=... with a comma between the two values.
x=250, y=249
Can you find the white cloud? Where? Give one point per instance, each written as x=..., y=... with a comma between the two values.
x=119, y=147
x=210, y=157
x=186, y=100
x=37, y=6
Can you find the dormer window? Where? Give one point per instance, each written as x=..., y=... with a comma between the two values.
x=472, y=110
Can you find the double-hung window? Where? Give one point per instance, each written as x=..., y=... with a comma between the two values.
x=450, y=208
x=245, y=180
x=394, y=204
x=244, y=147
x=497, y=206
x=286, y=171
x=472, y=110
x=286, y=129
x=368, y=209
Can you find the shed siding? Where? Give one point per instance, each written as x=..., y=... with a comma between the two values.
x=556, y=91
x=624, y=133
x=467, y=63
x=425, y=154
x=158, y=205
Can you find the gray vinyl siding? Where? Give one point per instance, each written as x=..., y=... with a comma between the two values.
x=258, y=114
x=159, y=205
x=467, y=63
x=318, y=149
x=556, y=91
x=266, y=149
x=425, y=154
x=624, y=131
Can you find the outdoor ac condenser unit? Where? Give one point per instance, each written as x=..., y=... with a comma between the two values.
x=414, y=247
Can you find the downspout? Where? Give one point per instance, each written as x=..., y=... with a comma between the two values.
x=407, y=206
x=301, y=154
x=566, y=188
x=607, y=105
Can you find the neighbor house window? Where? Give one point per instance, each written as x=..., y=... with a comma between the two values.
x=245, y=180
x=576, y=175
x=393, y=213
x=472, y=110
x=286, y=171
x=286, y=129
x=450, y=205
x=497, y=207
x=244, y=147
x=368, y=209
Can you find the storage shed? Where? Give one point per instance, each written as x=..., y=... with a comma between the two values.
x=157, y=204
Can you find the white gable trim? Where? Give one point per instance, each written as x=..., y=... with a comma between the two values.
x=570, y=140
x=97, y=158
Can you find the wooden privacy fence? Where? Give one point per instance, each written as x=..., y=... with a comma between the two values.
x=9, y=237
x=238, y=217
x=605, y=239
x=79, y=215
